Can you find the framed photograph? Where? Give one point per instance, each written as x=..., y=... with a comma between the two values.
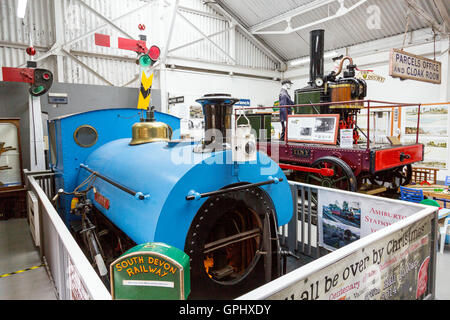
x=312, y=128
x=10, y=155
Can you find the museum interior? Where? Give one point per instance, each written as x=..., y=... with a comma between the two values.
x=224, y=150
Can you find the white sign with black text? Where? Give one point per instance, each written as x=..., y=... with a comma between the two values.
x=346, y=138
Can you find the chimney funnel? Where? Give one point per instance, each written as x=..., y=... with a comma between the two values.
x=218, y=111
x=316, y=65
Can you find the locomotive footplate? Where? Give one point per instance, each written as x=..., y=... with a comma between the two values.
x=354, y=167
x=396, y=156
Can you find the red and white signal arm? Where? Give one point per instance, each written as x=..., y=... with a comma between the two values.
x=139, y=46
x=104, y=40
x=40, y=80
x=17, y=74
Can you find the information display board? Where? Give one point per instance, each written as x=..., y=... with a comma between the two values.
x=344, y=218
x=396, y=267
x=318, y=128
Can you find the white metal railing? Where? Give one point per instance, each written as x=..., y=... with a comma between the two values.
x=290, y=285
x=73, y=276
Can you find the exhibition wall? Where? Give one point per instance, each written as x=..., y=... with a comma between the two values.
x=81, y=98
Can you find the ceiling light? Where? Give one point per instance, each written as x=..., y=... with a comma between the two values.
x=21, y=8
x=331, y=54
x=299, y=61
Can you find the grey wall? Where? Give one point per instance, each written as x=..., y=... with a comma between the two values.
x=13, y=99
x=82, y=98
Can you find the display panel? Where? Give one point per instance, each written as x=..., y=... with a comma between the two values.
x=318, y=128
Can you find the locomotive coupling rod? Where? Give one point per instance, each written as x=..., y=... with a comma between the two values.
x=136, y=194
x=326, y=172
x=192, y=195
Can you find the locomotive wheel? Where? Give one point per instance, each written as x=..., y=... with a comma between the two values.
x=403, y=176
x=225, y=244
x=343, y=177
x=393, y=179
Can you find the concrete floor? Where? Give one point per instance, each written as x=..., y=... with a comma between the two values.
x=443, y=275
x=17, y=252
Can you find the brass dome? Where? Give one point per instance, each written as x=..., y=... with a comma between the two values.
x=149, y=130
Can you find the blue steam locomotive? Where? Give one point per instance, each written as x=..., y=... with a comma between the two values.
x=124, y=181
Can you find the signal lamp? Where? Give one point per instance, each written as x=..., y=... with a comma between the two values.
x=154, y=53
x=145, y=61
x=38, y=89
x=31, y=51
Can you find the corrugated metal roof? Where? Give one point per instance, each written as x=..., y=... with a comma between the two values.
x=78, y=19
x=347, y=30
x=115, y=66
x=253, y=12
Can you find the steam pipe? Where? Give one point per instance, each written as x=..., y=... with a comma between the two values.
x=342, y=63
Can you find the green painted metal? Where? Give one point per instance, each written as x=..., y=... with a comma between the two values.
x=151, y=271
x=259, y=121
x=306, y=97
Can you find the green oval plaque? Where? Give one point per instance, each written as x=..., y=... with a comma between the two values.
x=151, y=271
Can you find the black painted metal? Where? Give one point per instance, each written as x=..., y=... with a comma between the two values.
x=115, y=184
x=249, y=199
x=218, y=111
x=316, y=66
x=232, y=189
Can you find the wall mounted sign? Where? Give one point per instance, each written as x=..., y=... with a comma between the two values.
x=176, y=100
x=405, y=65
x=243, y=103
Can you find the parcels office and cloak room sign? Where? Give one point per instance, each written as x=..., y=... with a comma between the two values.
x=405, y=65
x=396, y=267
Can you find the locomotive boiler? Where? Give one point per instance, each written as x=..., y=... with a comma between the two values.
x=148, y=186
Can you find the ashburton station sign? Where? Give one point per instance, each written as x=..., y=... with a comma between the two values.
x=405, y=65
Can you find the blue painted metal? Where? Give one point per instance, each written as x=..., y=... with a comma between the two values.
x=447, y=180
x=168, y=172
x=111, y=124
x=410, y=194
x=164, y=172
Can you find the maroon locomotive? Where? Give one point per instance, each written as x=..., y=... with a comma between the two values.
x=363, y=165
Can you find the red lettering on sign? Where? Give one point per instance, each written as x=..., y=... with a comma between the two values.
x=101, y=200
